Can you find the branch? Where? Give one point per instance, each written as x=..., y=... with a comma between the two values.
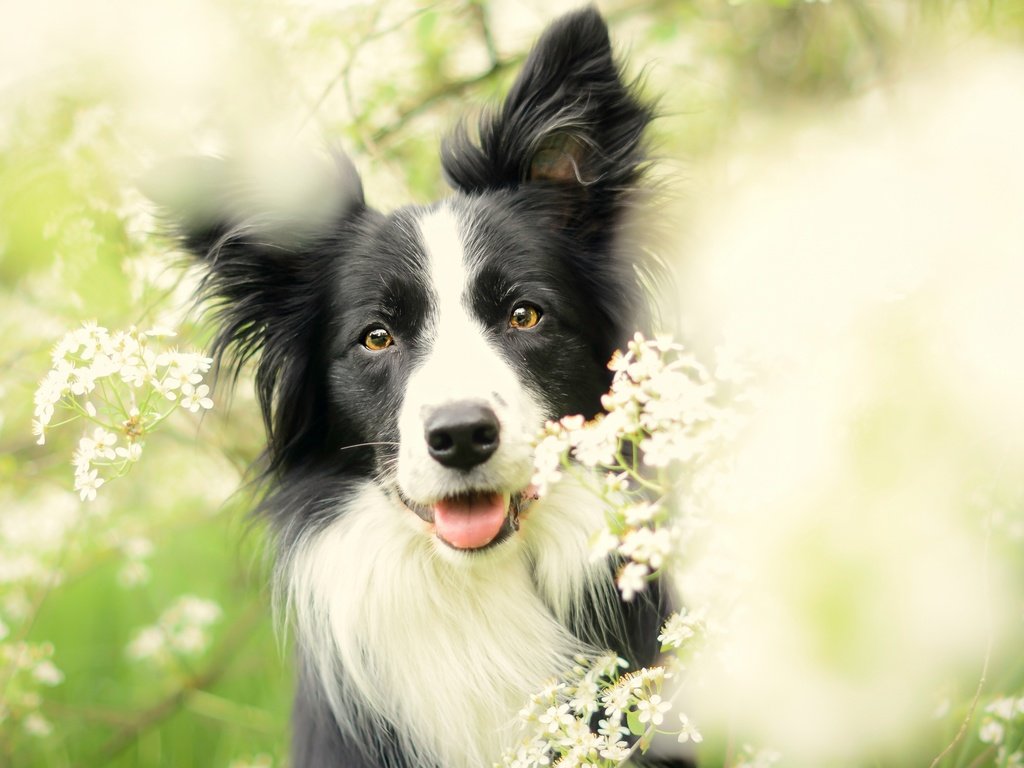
x=448, y=90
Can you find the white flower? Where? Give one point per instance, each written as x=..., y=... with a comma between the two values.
x=640, y=514
x=103, y=442
x=149, y=643
x=132, y=453
x=194, y=398
x=632, y=579
x=584, y=698
x=198, y=611
x=612, y=728
x=605, y=543
x=132, y=574
x=37, y=725
x=616, y=483
x=687, y=732
x=83, y=381
x=47, y=673
x=1003, y=708
x=578, y=736
x=556, y=718
x=679, y=628
x=87, y=483
x=616, y=751
x=652, y=710
x=616, y=699
x=991, y=731
x=647, y=545
x=668, y=445
x=547, y=460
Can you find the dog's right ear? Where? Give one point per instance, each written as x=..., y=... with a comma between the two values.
x=260, y=231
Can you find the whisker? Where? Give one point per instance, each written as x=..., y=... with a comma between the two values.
x=367, y=445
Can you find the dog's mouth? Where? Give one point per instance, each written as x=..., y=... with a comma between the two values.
x=475, y=520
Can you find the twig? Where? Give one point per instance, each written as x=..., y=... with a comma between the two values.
x=446, y=91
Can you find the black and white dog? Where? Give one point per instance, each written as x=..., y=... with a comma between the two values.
x=403, y=363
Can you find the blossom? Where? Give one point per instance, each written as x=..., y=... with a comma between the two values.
x=183, y=628
x=47, y=673
x=604, y=543
x=556, y=718
x=678, y=628
x=687, y=732
x=991, y=731
x=652, y=709
x=616, y=700
x=584, y=697
x=647, y=545
x=87, y=483
x=194, y=398
x=37, y=725
x=108, y=379
x=632, y=579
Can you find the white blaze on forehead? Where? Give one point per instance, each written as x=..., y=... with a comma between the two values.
x=446, y=257
x=449, y=273
x=461, y=362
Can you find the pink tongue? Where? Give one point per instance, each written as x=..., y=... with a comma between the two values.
x=470, y=523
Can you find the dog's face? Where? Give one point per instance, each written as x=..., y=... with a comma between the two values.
x=455, y=331
x=423, y=349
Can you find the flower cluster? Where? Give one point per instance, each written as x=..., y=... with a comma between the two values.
x=182, y=630
x=24, y=667
x=124, y=387
x=662, y=423
x=660, y=418
x=557, y=721
x=1003, y=727
x=629, y=708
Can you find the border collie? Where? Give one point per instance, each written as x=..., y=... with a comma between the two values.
x=403, y=363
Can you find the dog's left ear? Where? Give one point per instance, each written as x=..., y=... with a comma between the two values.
x=569, y=122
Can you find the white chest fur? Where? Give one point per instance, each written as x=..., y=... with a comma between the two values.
x=447, y=646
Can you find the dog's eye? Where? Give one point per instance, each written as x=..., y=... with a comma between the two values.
x=524, y=316
x=377, y=339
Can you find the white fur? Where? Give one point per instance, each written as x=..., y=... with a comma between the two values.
x=461, y=365
x=449, y=652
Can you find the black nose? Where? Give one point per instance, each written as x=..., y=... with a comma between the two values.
x=462, y=435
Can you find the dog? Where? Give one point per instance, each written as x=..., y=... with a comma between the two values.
x=403, y=363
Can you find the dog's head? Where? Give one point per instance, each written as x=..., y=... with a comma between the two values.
x=423, y=348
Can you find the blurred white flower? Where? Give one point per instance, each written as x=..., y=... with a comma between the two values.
x=632, y=579
x=687, y=731
x=37, y=725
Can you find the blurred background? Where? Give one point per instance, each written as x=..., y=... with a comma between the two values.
x=842, y=189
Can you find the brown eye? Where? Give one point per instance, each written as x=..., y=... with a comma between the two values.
x=524, y=316
x=378, y=339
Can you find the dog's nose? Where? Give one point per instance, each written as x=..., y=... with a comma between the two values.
x=462, y=435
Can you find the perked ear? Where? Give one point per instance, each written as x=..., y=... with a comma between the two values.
x=569, y=120
x=258, y=229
